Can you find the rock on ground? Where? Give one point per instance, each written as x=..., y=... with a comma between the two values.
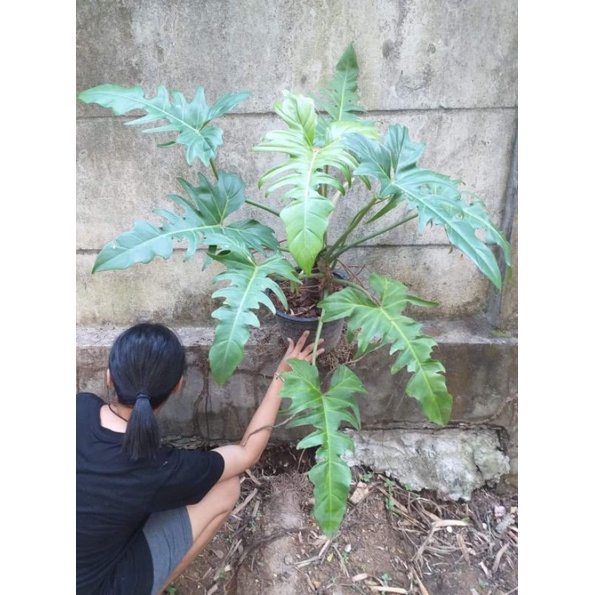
x=452, y=463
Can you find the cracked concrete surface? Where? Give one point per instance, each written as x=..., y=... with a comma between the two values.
x=452, y=463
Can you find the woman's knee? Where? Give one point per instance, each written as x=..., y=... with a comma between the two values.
x=223, y=496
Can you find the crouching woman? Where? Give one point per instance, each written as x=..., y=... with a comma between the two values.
x=144, y=510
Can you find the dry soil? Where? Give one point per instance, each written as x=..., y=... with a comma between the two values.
x=391, y=540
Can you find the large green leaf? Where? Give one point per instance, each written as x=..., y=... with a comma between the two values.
x=340, y=97
x=201, y=221
x=308, y=168
x=317, y=160
x=190, y=120
x=248, y=281
x=478, y=217
x=339, y=105
x=435, y=196
x=326, y=411
x=380, y=321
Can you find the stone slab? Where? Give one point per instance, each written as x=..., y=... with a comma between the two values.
x=452, y=463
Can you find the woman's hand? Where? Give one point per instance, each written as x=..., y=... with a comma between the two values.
x=298, y=351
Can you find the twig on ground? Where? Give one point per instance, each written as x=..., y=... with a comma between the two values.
x=435, y=526
x=420, y=584
x=341, y=561
x=499, y=557
x=252, y=478
x=241, y=506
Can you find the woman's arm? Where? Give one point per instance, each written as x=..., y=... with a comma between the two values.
x=239, y=457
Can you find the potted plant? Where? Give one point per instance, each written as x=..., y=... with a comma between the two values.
x=327, y=148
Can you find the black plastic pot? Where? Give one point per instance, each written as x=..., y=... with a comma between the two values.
x=294, y=326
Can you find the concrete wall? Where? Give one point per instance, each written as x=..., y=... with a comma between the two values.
x=447, y=70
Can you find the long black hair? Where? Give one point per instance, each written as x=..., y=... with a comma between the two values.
x=146, y=362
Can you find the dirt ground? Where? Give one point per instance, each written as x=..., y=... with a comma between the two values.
x=391, y=540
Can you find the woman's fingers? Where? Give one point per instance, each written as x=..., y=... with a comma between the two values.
x=300, y=344
x=290, y=347
x=309, y=357
x=299, y=351
x=307, y=353
x=310, y=348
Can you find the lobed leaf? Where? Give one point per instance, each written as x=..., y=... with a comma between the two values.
x=376, y=322
x=326, y=411
x=340, y=97
x=190, y=120
x=307, y=169
x=201, y=221
x=248, y=283
x=435, y=196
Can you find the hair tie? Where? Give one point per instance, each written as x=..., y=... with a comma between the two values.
x=142, y=396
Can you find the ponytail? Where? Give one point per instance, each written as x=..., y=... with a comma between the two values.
x=142, y=438
x=146, y=363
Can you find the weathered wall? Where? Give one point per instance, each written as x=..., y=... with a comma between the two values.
x=447, y=70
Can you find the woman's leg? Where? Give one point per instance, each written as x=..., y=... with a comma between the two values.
x=206, y=518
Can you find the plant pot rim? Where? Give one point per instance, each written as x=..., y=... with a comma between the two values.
x=293, y=317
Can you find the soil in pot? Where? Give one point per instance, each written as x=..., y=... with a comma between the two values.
x=303, y=313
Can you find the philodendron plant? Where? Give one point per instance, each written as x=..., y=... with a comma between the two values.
x=327, y=146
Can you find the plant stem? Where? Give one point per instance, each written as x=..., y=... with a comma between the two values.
x=325, y=186
x=348, y=283
x=214, y=168
x=255, y=203
x=352, y=225
x=336, y=253
x=339, y=193
x=318, y=332
x=359, y=287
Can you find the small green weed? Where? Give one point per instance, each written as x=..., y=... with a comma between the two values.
x=389, y=501
x=367, y=476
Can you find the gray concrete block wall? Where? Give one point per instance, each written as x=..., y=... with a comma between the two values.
x=447, y=70
x=414, y=54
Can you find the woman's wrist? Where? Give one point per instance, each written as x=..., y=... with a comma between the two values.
x=283, y=367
